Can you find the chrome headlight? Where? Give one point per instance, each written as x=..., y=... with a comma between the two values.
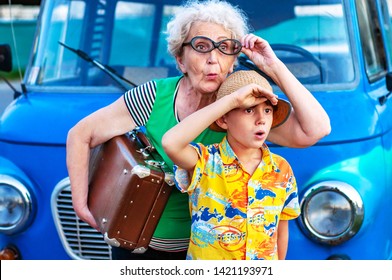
x=332, y=212
x=15, y=205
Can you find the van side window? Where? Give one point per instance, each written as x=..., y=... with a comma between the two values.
x=386, y=10
x=371, y=39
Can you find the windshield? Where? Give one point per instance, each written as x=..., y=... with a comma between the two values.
x=128, y=38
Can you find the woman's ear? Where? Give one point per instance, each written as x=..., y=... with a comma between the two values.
x=222, y=122
x=180, y=64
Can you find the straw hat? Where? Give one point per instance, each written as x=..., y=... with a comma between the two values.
x=244, y=77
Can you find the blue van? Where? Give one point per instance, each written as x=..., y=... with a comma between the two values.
x=86, y=53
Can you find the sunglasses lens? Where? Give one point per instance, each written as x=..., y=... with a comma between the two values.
x=202, y=44
x=230, y=46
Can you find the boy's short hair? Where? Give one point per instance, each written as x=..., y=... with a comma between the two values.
x=244, y=77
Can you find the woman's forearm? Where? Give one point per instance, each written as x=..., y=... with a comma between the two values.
x=308, y=122
x=77, y=164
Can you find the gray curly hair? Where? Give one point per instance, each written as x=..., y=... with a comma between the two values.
x=223, y=13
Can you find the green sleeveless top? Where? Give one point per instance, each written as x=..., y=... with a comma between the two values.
x=175, y=222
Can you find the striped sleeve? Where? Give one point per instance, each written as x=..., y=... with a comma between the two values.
x=140, y=101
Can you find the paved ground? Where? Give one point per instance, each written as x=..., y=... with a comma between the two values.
x=6, y=93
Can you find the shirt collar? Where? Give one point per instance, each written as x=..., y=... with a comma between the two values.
x=228, y=156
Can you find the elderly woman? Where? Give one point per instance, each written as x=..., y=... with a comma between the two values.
x=205, y=38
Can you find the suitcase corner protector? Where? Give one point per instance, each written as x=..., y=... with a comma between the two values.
x=139, y=250
x=111, y=241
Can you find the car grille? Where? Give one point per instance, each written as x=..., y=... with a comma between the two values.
x=80, y=241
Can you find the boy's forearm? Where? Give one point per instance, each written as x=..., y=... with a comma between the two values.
x=188, y=129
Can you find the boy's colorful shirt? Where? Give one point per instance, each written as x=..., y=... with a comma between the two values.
x=235, y=215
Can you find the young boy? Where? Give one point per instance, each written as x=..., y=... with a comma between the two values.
x=241, y=196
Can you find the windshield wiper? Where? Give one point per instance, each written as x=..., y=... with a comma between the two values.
x=105, y=68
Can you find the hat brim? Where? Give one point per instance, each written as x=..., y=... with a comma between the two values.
x=282, y=112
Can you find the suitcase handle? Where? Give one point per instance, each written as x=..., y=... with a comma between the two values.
x=145, y=141
x=140, y=137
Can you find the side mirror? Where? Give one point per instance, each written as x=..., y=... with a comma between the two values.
x=5, y=58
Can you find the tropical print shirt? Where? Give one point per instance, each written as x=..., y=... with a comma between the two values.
x=235, y=215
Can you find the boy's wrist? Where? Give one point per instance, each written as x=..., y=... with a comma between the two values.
x=229, y=102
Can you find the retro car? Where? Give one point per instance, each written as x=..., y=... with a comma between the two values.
x=88, y=53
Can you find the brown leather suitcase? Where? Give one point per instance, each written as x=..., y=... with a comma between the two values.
x=129, y=186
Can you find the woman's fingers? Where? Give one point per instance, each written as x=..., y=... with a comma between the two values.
x=249, y=40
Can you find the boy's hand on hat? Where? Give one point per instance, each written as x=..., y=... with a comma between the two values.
x=252, y=95
x=263, y=92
